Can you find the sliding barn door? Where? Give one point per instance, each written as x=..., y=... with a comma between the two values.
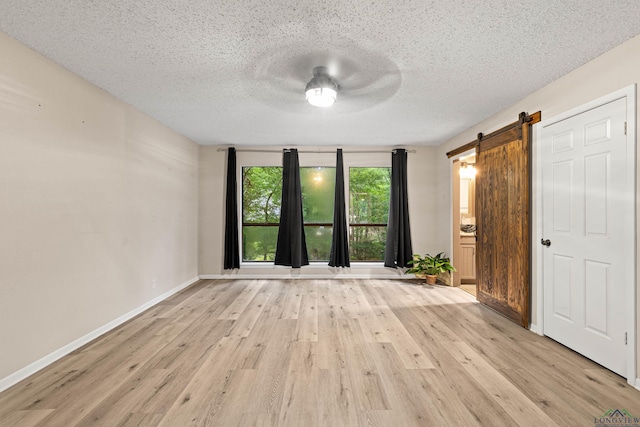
x=503, y=204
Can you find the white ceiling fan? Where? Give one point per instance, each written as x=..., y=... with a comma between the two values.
x=362, y=78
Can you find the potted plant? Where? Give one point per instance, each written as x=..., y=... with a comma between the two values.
x=430, y=266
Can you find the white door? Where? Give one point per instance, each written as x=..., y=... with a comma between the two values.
x=587, y=209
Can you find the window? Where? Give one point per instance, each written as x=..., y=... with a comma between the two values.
x=261, y=198
x=368, y=212
x=318, y=185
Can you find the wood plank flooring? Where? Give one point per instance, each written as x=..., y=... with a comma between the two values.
x=469, y=288
x=318, y=353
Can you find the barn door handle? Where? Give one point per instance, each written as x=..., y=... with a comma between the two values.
x=546, y=243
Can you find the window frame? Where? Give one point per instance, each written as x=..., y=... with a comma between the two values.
x=307, y=158
x=242, y=222
x=349, y=224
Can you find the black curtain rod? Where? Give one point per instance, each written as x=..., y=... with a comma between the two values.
x=248, y=150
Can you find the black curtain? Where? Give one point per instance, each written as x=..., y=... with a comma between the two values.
x=398, y=251
x=291, y=248
x=231, y=246
x=340, y=238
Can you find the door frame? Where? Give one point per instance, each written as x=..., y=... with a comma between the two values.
x=452, y=171
x=455, y=207
x=629, y=93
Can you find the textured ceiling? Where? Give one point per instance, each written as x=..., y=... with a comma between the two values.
x=233, y=72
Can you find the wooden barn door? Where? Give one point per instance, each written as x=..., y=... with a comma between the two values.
x=503, y=206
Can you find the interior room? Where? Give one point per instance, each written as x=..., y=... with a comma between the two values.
x=218, y=213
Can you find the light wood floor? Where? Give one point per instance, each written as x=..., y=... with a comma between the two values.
x=318, y=353
x=469, y=288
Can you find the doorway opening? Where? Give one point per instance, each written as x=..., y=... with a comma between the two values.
x=464, y=222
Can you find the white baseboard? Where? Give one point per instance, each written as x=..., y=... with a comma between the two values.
x=637, y=383
x=536, y=329
x=34, y=367
x=307, y=276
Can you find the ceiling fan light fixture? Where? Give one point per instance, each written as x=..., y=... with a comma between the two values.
x=322, y=90
x=321, y=96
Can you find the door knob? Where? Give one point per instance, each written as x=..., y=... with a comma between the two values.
x=546, y=243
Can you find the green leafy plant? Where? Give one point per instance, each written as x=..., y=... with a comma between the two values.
x=431, y=265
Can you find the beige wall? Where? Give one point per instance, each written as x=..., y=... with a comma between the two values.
x=612, y=71
x=422, y=210
x=211, y=210
x=97, y=201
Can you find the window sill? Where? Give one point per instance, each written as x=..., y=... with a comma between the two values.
x=312, y=265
